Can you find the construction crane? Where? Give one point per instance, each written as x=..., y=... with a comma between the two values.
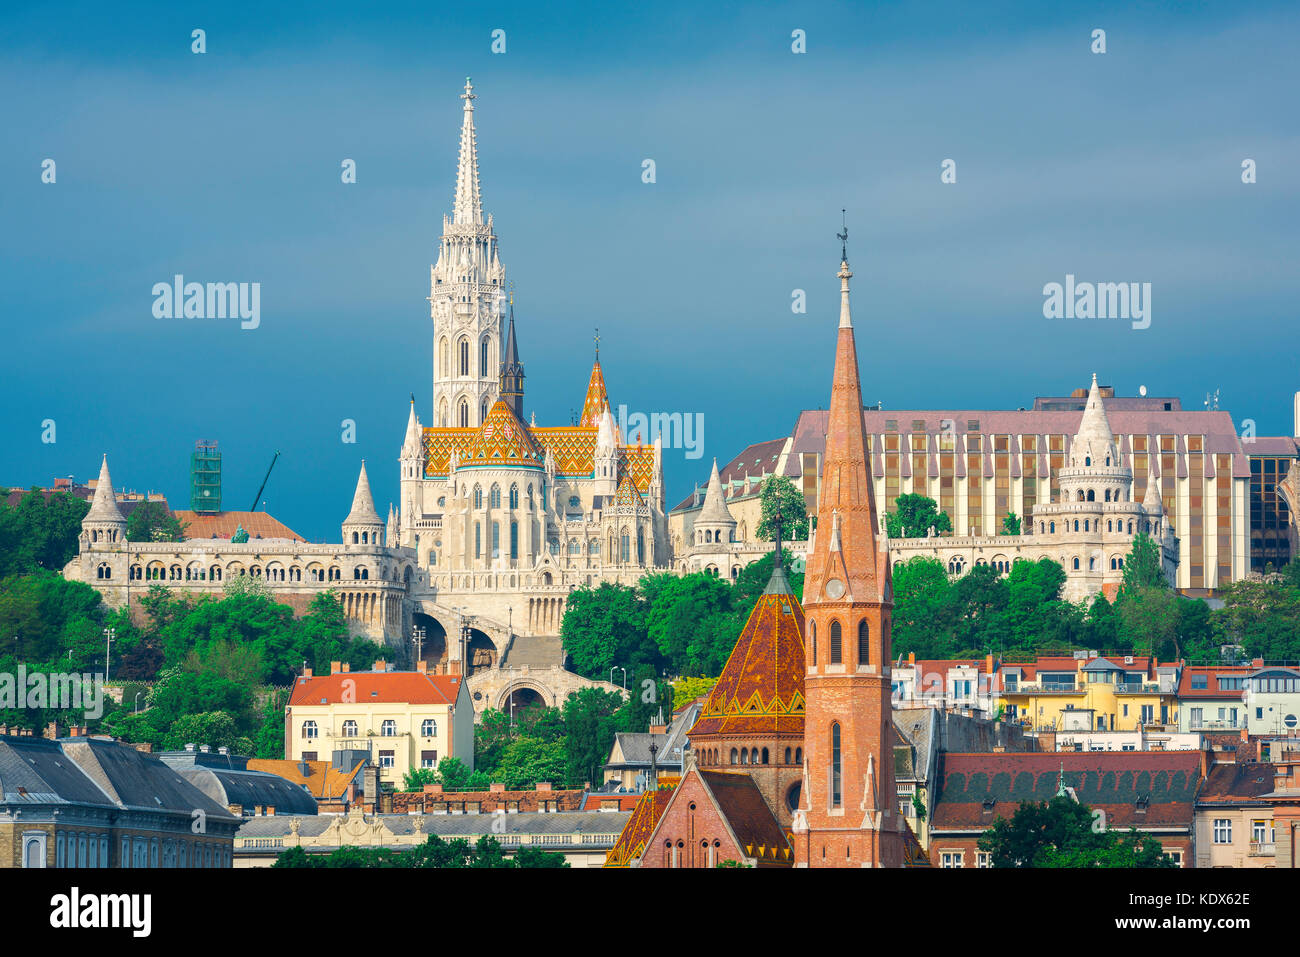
x=258, y=500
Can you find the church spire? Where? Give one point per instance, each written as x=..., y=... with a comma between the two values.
x=512, y=370
x=469, y=202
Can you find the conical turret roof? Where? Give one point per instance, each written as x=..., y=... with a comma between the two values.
x=1151, y=500
x=597, y=401
x=103, y=508
x=714, y=510
x=363, y=503
x=1094, y=443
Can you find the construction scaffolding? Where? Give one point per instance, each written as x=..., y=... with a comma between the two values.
x=205, y=478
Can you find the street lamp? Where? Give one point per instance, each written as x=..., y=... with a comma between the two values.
x=417, y=637
x=618, y=668
x=137, y=702
x=109, y=635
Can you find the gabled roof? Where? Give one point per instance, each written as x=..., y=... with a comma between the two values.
x=1134, y=788
x=222, y=525
x=761, y=688
x=1237, y=783
x=742, y=804
x=406, y=687
x=632, y=840
x=322, y=780
x=503, y=439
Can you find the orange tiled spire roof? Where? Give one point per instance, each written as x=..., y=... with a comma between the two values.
x=503, y=439
x=597, y=399
x=761, y=689
x=631, y=842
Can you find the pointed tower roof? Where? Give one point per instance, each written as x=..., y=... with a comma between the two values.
x=1094, y=443
x=715, y=508
x=363, y=503
x=761, y=689
x=597, y=400
x=411, y=442
x=104, y=506
x=846, y=549
x=469, y=202
x=1151, y=500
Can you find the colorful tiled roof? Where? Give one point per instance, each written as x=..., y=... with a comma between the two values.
x=761, y=689
x=597, y=400
x=503, y=439
x=627, y=496
x=321, y=779
x=407, y=687
x=1134, y=788
x=631, y=842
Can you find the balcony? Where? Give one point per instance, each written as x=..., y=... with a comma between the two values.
x=1139, y=687
x=1200, y=724
x=1262, y=849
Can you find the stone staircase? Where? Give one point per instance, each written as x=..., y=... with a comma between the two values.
x=535, y=651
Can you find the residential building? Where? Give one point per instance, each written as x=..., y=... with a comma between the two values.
x=1088, y=691
x=1211, y=698
x=402, y=720
x=1234, y=822
x=335, y=785
x=83, y=802
x=1272, y=700
x=1152, y=791
x=632, y=765
x=583, y=837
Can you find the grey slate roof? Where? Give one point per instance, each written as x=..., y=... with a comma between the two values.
x=636, y=744
x=250, y=789
x=46, y=775
x=917, y=727
x=454, y=825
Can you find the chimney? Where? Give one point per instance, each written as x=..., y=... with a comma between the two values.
x=190, y=747
x=336, y=667
x=496, y=788
x=204, y=748
x=223, y=750
x=422, y=666
x=433, y=789
x=543, y=787
x=658, y=729
x=911, y=657
x=988, y=663
x=270, y=810
x=381, y=665
x=346, y=667
x=306, y=672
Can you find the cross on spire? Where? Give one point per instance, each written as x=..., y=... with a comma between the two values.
x=468, y=94
x=843, y=236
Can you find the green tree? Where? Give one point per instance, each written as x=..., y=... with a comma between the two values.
x=914, y=515
x=687, y=622
x=590, y=723
x=778, y=495
x=151, y=522
x=1143, y=567
x=39, y=532
x=1010, y=524
x=605, y=626
x=1062, y=833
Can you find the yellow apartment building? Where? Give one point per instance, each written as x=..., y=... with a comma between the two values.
x=403, y=719
x=1122, y=693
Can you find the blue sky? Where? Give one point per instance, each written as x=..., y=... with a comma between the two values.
x=225, y=166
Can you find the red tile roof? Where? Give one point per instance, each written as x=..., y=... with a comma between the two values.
x=222, y=525
x=407, y=687
x=1237, y=783
x=631, y=842
x=751, y=820
x=977, y=788
x=1211, y=673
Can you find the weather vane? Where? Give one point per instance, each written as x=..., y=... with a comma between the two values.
x=843, y=237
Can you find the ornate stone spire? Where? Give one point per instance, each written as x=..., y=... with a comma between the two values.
x=512, y=370
x=469, y=201
x=597, y=400
x=1094, y=444
x=103, y=508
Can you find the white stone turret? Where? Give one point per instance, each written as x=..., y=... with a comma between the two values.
x=104, y=524
x=715, y=525
x=606, y=455
x=363, y=526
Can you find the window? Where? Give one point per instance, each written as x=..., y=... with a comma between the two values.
x=951, y=859
x=983, y=859
x=814, y=643
x=428, y=759
x=429, y=728
x=837, y=796
x=495, y=497
x=385, y=759
x=1222, y=830
x=1200, y=682
x=1176, y=857
x=349, y=728
x=864, y=643
x=836, y=644
x=309, y=729
x=514, y=541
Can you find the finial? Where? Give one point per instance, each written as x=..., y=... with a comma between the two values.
x=843, y=236
x=412, y=398
x=597, y=338
x=512, y=292
x=468, y=95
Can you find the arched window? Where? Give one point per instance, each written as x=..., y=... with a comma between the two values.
x=1092, y=563
x=765, y=761
x=483, y=358
x=813, y=642
x=864, y=643
x=389, y=728
x=309, y=729
x=734, y=756
x=1110, y=525
x=836, y=644
x=444, y=359
x=429, y=728
x=496, y=539
x=1053, y=528
x=349, y=728
x=514, y=540
x=1076, y=524
x=494, y=497
x=464, y=414
x=1108, y=495
x=464, y=357
x=788, y=755
x=837, y=796
x=514, y=496
x=478, y=539
x=478, y=496
x=625, y=547
x=1086, y=522
x=1092, y=495
x=1076, y=564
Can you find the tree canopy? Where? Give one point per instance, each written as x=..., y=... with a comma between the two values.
x=1064, y=833
x=913, y=517
x=779, y=495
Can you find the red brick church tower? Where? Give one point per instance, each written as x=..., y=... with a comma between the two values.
x=849, y=812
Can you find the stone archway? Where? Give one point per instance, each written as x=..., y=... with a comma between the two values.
x=523, y=694
x=434, y=651
x=481, y=652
